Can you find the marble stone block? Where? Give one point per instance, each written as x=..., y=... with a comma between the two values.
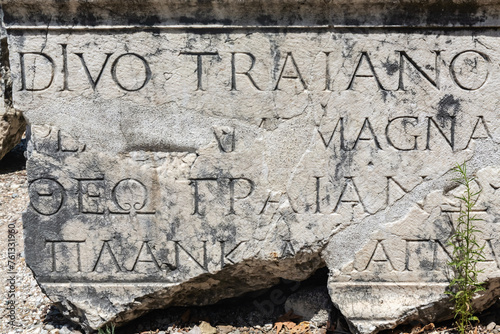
x=185, y=152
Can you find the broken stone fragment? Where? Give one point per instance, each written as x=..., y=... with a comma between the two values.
x=12, y=126
x=12, y=122
x=312, y=304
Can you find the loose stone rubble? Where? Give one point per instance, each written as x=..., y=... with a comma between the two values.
x=12, y=123
x=181, y=157
x=313, y=304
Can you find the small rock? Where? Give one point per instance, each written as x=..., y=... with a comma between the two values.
x=65, y=330
x=206, y=328
x=195, y=330
x=161, y=332
x=491, y=326
x=312, y=304
x=224, y=329
x=49, y=327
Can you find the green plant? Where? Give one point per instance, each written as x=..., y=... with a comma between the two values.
x=108, y=330
x=466, y=253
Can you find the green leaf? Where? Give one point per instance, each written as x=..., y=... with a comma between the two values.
x=466, y=251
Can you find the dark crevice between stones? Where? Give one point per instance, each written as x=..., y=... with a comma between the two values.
x=15, y=160
x=5, y=72
x=55, y=318
x=252, y=309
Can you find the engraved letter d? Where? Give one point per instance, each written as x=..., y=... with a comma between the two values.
x=23, y=71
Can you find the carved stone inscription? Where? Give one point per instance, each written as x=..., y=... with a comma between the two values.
x=331, y=73
x=165, y=163
x=130, y=71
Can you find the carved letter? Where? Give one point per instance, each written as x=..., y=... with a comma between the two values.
x=372, y=136
x=403, y=55
x=46, y=196
x=199, y=66
x=289, y=74
x=328, y=79
x=488, y=244
x=233, y=197
x=450, y=141
x=394, y=190
x=364, y=55
x=425, y=255
x=272, y=202
x=340, y=126
x=105, y=245
x=379, y=256
x=473, y=64
x=150, y=257
x=65, y=250
x=405, y=120
x=237, y=250
x=247, y=72
x=147, y=72
x=23, y=71
x=318, y=199
x=203, y=266
x=130, y=195
x=225, y=138
x=196, y=195
x=439, y=248
x=93, y=82
x=65, y=67
x=349, y=194
x=482, y=131
x=89, y=195
x=287, y=249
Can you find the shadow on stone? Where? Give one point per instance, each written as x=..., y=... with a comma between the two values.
x=14, y=160
x=491, y=314
x=55, y=319
x=255, y=310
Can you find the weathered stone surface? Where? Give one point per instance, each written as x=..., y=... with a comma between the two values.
x=312, y=304
x=182, y=161
x=12, y=123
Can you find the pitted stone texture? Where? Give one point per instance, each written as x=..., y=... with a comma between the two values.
x=252, y=13
x=400, y=272
x=312, y=304
x=134, y=233
x=183, y=166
